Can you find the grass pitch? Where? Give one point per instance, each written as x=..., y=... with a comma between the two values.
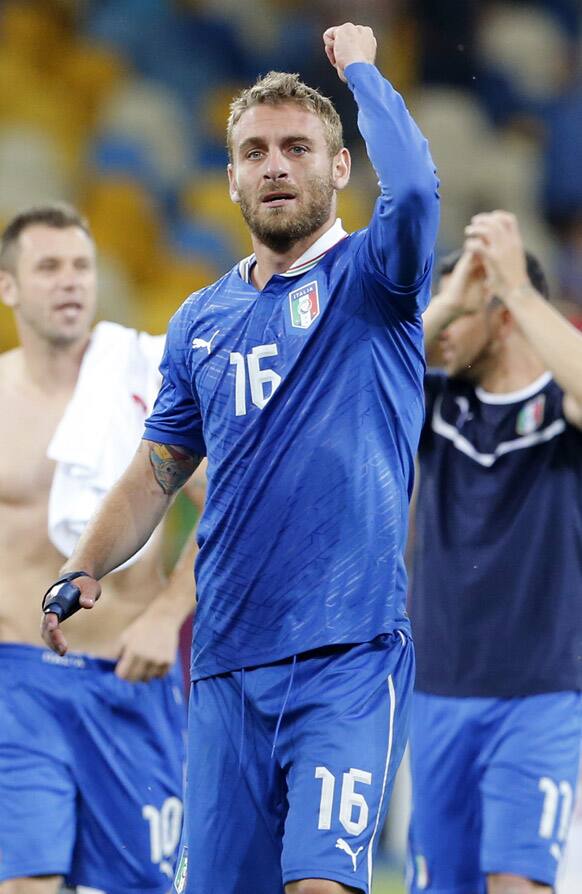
x=386, y=882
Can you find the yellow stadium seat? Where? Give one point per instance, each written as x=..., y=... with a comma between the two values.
x=45, y=104
x=8, y=334
x=91, y=73
x=399, y=53
x=125, y=224
x=217, y=109
x=355, y=207
x=206, y=199
x=176, y=279
x=37, y=32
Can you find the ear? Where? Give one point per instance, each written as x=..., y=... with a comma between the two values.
x=8, y=289
x=341, y=167
x=232, y=185
x=502, y=321
x=507, y=322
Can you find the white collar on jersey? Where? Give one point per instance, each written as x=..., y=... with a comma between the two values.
x=513, y=397
x=307, y=260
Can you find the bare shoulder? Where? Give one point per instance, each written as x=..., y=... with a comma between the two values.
x=9, y=359
x=10, y=363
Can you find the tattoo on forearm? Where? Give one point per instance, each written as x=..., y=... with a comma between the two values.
x=172, y=466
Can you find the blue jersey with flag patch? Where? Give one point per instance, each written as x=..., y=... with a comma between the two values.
x=496, y=599
x=307, y=398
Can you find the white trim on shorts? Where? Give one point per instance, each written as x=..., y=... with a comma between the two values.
x=392, y=697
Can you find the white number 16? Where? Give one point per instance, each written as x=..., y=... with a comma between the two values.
x=350, y=800
x=259, y=378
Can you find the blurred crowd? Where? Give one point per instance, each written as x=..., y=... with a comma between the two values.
x=120, y=106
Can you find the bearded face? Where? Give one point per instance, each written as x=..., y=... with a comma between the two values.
x=283, y=175
x=281, y=216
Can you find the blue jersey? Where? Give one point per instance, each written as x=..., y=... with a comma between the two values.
x=307, y=398
x=497, y=584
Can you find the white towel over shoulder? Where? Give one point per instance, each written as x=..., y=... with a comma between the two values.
x=101, y=427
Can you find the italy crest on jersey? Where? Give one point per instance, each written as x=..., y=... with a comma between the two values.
x=304, y=305
x=531, y=416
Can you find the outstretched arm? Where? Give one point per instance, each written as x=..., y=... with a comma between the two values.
x=125, y=521
x=496, y=240
x=404, y=226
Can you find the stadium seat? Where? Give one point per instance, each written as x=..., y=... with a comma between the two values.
x=508, y=175
x=175, y=280
x=125, y=224
x=213, y=153
x=91, y=73
x=527, y=44
x=206, y=200
x=355, y=206
x=32, y=169
x=45, y=105
x=8, y=334
x=116, y=155
x=193, y=241
x=149, y=113
x=117, y=294
x=37, y=33
x=460, y=141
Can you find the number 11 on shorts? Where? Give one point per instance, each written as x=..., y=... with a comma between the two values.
x=354, y=811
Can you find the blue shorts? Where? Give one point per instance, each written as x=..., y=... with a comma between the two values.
x=291, y=766
x=493, y=783
x=90, y=772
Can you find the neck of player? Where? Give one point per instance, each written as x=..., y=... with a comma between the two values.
x=270, y=262
x=511, y=371
x=51, y=367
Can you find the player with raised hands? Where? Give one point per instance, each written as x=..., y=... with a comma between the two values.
x=497, y=580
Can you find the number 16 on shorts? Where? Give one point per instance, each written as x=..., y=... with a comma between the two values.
x=353, y=807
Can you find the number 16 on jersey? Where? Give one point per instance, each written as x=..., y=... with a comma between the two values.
x=262, y=382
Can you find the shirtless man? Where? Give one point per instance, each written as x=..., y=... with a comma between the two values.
x=110, y=821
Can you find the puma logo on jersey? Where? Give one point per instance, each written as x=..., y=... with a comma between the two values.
x=202, y=343
x=344, y=846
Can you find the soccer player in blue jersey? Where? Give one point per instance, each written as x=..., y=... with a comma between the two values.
x=300, y=375
x=497, y=581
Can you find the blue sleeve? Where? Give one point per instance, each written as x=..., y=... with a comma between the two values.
x=399, y=242
x=176, y=418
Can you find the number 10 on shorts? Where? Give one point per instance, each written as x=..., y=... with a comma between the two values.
x=353, y=811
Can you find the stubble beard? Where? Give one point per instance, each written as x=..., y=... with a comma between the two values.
x=278, y=229
x=55, y=337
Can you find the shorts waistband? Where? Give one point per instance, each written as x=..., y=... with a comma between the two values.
x=39, y=656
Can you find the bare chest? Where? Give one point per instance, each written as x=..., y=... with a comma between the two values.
x=27, y=428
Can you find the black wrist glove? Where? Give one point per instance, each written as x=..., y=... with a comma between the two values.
x=64, y=602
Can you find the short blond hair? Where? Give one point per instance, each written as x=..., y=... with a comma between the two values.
x=278, y=87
